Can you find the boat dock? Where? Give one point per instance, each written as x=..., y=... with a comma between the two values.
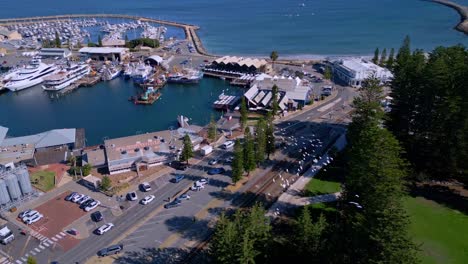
x=226, y=102
x=85, y=81
x=189, y=30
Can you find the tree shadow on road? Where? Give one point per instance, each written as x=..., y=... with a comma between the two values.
x=153, y=256
x=188, y=227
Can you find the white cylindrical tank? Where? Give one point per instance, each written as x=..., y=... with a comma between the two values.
x=13, y=187
x=4, y=196
x=24, y=181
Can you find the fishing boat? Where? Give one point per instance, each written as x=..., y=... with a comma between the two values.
x=146, y=98
x=141, y=73
x=187, y=76
x=111, y=72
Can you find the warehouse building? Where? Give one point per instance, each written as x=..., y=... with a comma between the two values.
x=54, y=52
x=105, y=53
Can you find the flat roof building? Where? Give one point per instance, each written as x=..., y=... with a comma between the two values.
x=54, y=52
x=105, y=53
x=6, y=34
x=355, y=70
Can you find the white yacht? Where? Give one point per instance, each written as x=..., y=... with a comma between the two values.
x=32, y=74
x=65, y=77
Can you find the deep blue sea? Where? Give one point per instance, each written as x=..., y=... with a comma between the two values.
x=293, y=27
x=237, y=27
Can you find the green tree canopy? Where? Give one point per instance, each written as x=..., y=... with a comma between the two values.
x=376, y=56
x=243, y=112
x=260, y=140
x=106, y=183
x=249, y=152
x=274, y=100
x=212, y=129
x=187, y=151
x=238, y=162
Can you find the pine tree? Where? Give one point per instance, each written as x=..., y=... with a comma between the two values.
x=248, y=253
x=243, y=113
x=327, y=75
x=249, y=152
x=383, y=57
x=237, y=162
x=99, y=41
x=375, y=60
x=260, y=140
x=58, y=43
x=274, y=56
x=212, y=129
x=309, y=236
x=187, y=151
x=223, y=246
x=274, y=100
x=391, y=59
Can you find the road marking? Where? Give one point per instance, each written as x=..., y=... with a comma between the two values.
x=25, y=245
x=45, y=244
x=62, y=233
x=54, y=239
x=24, y=259
x=41, y=246
x=133, y=237
x=58, y=236
x=19, y=261
x=32, y=253
x=37, y=250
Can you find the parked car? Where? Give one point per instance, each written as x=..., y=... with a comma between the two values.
x=33, y=219
x=184, y=197
x=179, y=165
x=97, y=216
x=104, y=228
x=70, y=196
x=213, y=162
x=214, y=171
x=76, y=197
x=172, y=204
x=229, y=159
x=83, y=199
x=197, y=187
x=203, y=181
x=114, y=249
x=28, y=215
x=177, y=178
x=92, y=205
x=132, y=196
x=148, y=199
x=24, y=213
x=86, y=203
x=146, y=187
x=227, y=144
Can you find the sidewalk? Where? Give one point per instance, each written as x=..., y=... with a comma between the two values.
x=292, y=197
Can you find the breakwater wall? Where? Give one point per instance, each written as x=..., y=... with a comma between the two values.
x=461, y=9
x=189, y=30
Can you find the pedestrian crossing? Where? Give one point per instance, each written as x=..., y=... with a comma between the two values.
x=45, y=243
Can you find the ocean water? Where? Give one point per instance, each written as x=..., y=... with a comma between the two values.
x=104, y=110
x=255, y=27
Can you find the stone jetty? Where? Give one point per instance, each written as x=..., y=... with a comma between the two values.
x=461, y=9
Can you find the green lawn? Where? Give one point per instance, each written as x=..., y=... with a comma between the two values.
x=43, y=180
x=441, y=231
x=319, y=187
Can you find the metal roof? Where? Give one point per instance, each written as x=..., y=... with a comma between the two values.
x=50, y=138
x=102, y=50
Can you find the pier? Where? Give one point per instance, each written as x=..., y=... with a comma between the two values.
x=461, y=9
x=189, y=30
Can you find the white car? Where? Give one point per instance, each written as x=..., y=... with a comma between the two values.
x=197, y=188
x=145, y=187
x=77, y=197
x=28, y=215
x=148, y=199
x=34, y=219
x=83, y=199
x=92, y=205
x=103, y=229
x=203, y=181
x=213, y=162
x=227, y=144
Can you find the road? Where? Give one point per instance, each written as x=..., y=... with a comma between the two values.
x=150, y=226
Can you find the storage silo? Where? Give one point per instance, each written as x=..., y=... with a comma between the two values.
x=24, y=181
x=13, y=187
x=4, y=196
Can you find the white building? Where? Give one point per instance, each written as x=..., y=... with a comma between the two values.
x=354, y=71
x=105, y=53
x=55, y=52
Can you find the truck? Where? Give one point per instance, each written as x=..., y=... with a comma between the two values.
x=206, y=150
x=6, y=236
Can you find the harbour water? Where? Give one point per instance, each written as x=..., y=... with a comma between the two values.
x=255, y=27
x=104, y=110
x=236, y=27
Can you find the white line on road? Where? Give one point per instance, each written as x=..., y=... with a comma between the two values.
x=54, y=239
x=45, y=244
x=62, y=233
x=19, y=261
x=133, y=237
x=328, y=106
x=32, y=253
x=38, y=250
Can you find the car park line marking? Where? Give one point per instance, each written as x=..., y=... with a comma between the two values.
x=58, y=236
x=19, y=261
x=41, y=246
x=62, y=233
x=32, y=253
x=54, y=239
x=45, y=244
x=37, y=250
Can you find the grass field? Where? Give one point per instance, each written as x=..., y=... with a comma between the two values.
x=43, y=180
x=319, y=187
x=441, y=231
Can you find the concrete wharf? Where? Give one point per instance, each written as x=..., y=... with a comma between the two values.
x=189, y=30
